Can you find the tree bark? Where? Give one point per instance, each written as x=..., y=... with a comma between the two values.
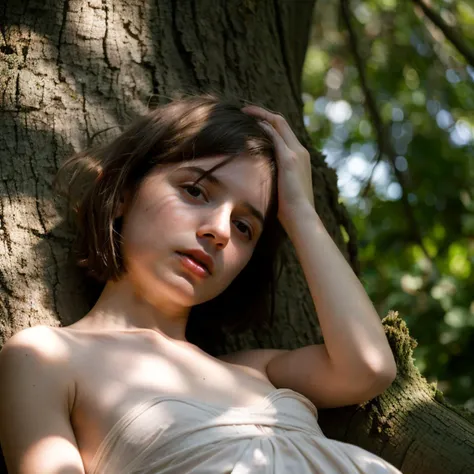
x=73, y=73
x=410, y=424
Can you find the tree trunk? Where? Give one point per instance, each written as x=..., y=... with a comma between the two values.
x=73, y=72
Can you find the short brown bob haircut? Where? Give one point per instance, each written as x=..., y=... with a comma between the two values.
x=95, y=181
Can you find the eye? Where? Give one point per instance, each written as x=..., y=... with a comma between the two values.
x=193, y=190
x=244, y=228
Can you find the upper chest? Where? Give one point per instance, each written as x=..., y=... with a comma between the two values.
x=109, y=364
x=115, y=372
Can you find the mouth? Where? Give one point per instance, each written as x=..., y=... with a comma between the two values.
x=197, y=263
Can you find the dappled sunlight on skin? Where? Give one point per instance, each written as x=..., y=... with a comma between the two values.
x=160, y=363
x=162, y=208
x=48, y=446
x=44, y=351
x=150, y=366
x=53, y=347
x=165, y=373
x=105, y=394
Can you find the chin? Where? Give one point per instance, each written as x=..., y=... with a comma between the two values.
x=183, y=289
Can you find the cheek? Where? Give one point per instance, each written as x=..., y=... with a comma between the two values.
x=162, y=218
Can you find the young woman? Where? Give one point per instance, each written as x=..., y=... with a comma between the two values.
x=180, y=217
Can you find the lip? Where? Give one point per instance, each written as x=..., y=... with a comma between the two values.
x=200, y=257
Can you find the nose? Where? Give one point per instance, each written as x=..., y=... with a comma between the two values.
x=216, y=226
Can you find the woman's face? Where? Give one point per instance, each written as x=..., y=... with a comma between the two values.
x=169, y=217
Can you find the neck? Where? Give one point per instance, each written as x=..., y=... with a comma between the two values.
x=122, y=307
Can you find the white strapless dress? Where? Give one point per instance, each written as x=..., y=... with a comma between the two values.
x=279, y=435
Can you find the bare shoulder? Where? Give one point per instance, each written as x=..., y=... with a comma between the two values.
x=44, y=344
x=35, y=403
x=44, y=339
x=41, y=348
x=255, y=358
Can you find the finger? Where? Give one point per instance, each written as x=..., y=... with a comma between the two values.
x=278, y=122
x=281, y=147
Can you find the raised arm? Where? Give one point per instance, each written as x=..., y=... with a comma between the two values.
x=356, y=362
x=35, y=431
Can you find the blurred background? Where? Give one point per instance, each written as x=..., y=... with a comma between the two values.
x=389, y=101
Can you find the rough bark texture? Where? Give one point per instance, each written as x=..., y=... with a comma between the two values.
x=73, y=72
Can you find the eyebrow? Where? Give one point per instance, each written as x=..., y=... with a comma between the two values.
x=216, y=181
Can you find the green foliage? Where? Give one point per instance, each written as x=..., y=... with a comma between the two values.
x=417, y=257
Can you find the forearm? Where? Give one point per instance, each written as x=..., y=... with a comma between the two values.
x=352, y=330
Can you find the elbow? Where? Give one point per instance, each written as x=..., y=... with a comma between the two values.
x=391, y=372
x=378, y=378
x=382, y=369
x=382, y=379
x=388, y=371
x=370, y=382
x=387, y=376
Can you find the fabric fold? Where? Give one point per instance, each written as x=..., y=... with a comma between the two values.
x=176, y=435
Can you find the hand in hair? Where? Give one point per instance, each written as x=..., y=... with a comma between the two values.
x=295, y=187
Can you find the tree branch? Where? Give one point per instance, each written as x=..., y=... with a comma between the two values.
x=383, y=140
x=450, y=33
x=377, y=160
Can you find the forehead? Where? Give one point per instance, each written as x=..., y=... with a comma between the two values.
x=240, y=166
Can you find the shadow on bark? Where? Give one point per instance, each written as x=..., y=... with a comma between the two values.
x=41, y=243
